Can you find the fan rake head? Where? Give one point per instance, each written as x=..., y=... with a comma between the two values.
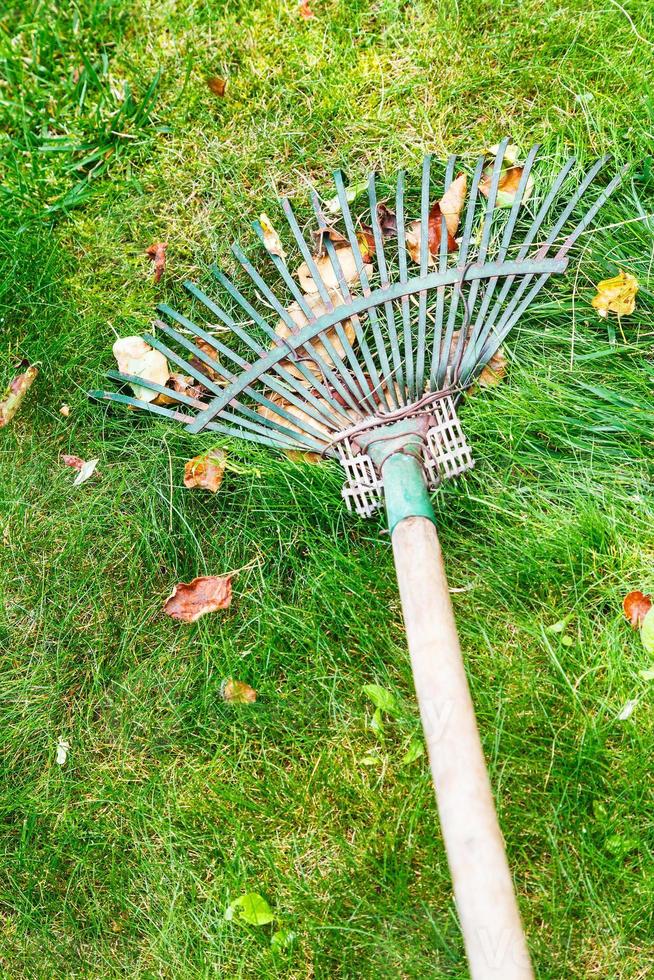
x=367, y=349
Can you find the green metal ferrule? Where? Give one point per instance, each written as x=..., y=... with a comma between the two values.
x=396, y=451
x=405, y=490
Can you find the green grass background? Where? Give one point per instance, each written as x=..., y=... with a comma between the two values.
x=171, y=802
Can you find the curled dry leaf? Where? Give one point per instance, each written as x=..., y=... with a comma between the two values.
x=238, y=691
x=366, y=240
x=636, y=605
x=204, y=594
x=387, y=221
x=305, y=10
x=217, y=85
x=510, y=177
x=451, y=203
x=206, y=471
x=616, y=295
x=203, y=368
x=327, y=231
x=65, y=411
x=448, y=211
x=183, y=384
x=344, y=256
x=85, y=468
x=318, y=309
x=271, y=239
x=136, y=357
x=494, y=371
x=157, y=253
x=15, y=393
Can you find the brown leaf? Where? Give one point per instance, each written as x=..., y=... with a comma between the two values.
x=271, y=239
x=387, y=220
x=510, y=177
x=73, y=461
x=135, y=357
x=345, y=256
x=205, y=471
x=435, y=229
x=15, y=393
x=157, y=253
x=318, y=309
x=452, y=203
x=65, y=411
x=204, y=594
x=494, y=371
x=203, y=368
x=305, y=10
x=636, y=606
x=217, y=85
x=327, y=231
x=183, y=384
x=238, y=691
x=616, y=295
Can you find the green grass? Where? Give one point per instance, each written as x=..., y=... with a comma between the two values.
x=173, y=803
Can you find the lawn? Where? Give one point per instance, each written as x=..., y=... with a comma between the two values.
x=173, y=802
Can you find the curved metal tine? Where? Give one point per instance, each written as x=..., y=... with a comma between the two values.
x=248, y=413
x=287, y=395
x=329, y=373
x=310, y=315
x=485, y=326
x=344, y=289
x=508, y=233
x=487, y=225
x=397, y=375
x=472, y=354
x=442, y=265
x=178, y=396
x=441, y=353
x=365, y=288
x=424, y=263
x=490, y=348
x=175, y=416
x=365, y=393
x=296, y=384
x=402, y=265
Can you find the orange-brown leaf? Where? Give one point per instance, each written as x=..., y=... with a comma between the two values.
x=636, y=606
x=204, y=594
x=217, y=85
x=305, y=10
x=157, y=253
x=205, y=471
x=238, y=691
x=15, y=393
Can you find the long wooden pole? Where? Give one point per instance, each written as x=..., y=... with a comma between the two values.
x=483, y=888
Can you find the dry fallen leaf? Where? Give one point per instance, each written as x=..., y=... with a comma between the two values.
x=305, y=10
x=136, y=357
x=366, y=240
x=510, y=177
x=204, y=594
x=616, y=295
x=344, y=255
x=205, y=471
x=318, y=309
x=217, y=85
x=183, y=384
x=157, y=253
x=327, y=231
x=15, y=393
x=65, y=411
x=62, y=751
x=435, y=230
x=271, y=239
x=238, y=691
x=636, y=606
x=387, y=221
x=85, y=468
x=451, y=203
x=494, y=371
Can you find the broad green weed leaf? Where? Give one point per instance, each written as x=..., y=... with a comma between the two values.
x=251, y=908
x=647, y=631
x=283, y=938
x=414, y=751
x=381, y=698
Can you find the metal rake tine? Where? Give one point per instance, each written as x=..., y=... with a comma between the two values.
x=402, y=265
x=384, y=282
x=366, y=392
x=365, y=287
x=489, y=325
x=424, y=264
x=441, y=351
x=334, y=379
x=300, y=403
x=492, y=346
x=442, y=263
x=257, y=396
x=257, y=349
x=178, y=396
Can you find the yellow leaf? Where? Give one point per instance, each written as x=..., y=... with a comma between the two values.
x=617, y=295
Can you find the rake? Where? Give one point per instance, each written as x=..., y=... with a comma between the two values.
x=363, y=357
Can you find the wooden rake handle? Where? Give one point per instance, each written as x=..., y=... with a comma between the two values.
x=483, y=889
